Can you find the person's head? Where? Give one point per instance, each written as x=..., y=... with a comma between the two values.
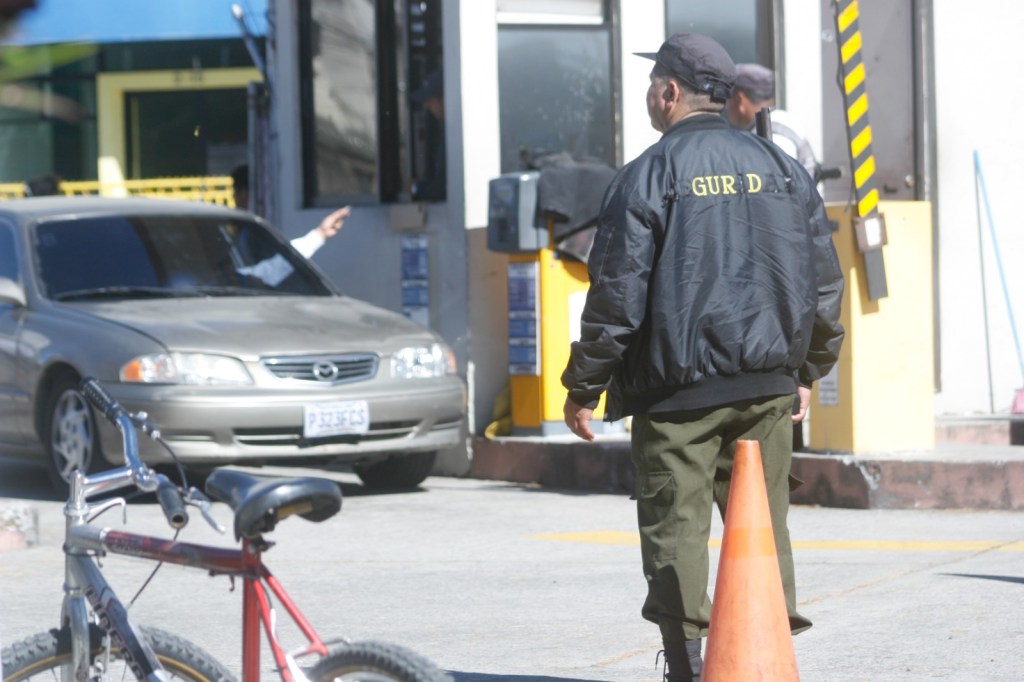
x=754, y=90
x=692, y=74
x=43, y=186
x=240, y=186
x=430, y=94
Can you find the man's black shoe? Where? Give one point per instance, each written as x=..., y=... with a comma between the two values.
x=682, y=661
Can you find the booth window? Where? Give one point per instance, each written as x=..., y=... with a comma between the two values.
x=745, y=28
x=364, y=139
x=555, y=81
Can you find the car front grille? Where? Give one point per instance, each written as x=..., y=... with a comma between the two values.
x=293, y=436
x=325, y=369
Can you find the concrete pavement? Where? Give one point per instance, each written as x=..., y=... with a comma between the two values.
x=500, y=582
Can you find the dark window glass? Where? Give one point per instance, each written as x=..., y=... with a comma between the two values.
x=370, y=132
x=61, y=137
x=190, y=132
x=158, y=55
x=743, y=27
x=168, y=256
x=343, y=61
x=8, y=256
x=554, y=87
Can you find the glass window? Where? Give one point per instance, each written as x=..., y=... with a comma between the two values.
x=372, y=101
x=168, y=256
x=743, y=27
x=186, y=132
x=342, y=47
x=555, y=93
x=8, y=256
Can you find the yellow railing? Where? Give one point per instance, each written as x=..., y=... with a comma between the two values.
x=213, y=189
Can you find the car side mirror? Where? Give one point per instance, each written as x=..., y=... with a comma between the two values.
x=11, y=292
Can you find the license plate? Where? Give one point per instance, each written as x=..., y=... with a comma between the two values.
x=336, y=419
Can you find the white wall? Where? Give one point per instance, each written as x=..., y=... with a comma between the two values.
x=978, y=101
x=643, y=30
x=476, y=62
x=802, y=56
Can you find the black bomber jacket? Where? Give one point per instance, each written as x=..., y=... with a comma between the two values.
x=713, y=278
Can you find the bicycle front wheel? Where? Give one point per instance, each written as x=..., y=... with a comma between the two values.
x=41, y=657
x=375, y=662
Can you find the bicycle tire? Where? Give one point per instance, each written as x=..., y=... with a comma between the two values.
x=41, y=656
x=375, y=662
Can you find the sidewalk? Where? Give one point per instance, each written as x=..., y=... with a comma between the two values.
x=953, y=476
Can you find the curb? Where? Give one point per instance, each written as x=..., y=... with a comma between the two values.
x=981, y=478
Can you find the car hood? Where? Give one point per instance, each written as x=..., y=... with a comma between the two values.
x=264, y=326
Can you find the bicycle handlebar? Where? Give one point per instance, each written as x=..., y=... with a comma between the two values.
x=110, y=408
x=167, y=494
x=169, y=497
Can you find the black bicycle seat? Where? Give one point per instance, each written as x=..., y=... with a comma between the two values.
x=259, y=503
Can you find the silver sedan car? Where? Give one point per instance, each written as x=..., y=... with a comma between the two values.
x=239, y=350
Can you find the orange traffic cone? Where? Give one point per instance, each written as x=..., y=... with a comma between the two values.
x=749, y=636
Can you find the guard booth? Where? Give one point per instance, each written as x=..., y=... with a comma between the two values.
x=544, y=219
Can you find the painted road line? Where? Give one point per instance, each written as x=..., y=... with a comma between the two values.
x=614, y=537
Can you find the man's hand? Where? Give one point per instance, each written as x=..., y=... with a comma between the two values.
x=804, y=394
x=577, y=418
x=332, y=224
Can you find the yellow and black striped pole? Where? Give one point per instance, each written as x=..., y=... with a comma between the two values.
x=854, y=87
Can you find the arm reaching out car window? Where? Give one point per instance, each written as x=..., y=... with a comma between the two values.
x=309, y=243
x=274, y=270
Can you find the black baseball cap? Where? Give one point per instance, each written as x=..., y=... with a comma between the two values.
x=698, y=61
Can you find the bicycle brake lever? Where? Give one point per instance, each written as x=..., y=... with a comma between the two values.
x=98, y=510
x=197, y=499
x=141, y=420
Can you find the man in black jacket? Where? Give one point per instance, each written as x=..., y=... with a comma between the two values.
x=714, y=297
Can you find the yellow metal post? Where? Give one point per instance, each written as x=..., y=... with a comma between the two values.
x=561, y=288
x=879, y=398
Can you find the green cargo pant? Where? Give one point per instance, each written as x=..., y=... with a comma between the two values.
x=683, y=464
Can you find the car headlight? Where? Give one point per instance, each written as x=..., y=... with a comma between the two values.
x=435, y=360
x=185, y=368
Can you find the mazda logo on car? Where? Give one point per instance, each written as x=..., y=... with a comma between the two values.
x=325, y=371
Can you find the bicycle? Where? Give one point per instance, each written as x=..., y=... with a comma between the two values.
x=97, y=640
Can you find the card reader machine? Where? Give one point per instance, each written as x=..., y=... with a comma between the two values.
x=545, y=297
x=513, y=223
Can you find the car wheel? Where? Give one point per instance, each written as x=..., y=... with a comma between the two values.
x=403, y=471
x=70, y=434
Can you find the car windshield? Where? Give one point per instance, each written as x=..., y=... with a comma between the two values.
x=150, y=256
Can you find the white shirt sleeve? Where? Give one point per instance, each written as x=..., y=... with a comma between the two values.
x=308, y=244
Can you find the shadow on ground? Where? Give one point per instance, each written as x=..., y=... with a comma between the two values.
x=486, y=677
x=979, y=576
x=25, y=480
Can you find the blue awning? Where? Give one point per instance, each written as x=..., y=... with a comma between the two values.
x=121, y=21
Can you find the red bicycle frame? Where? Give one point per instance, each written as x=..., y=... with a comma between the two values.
x=246, y=564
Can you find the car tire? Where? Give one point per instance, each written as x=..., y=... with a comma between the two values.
x=69, y=434
x=401, y=471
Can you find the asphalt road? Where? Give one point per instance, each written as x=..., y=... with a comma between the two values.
x=499, y=582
